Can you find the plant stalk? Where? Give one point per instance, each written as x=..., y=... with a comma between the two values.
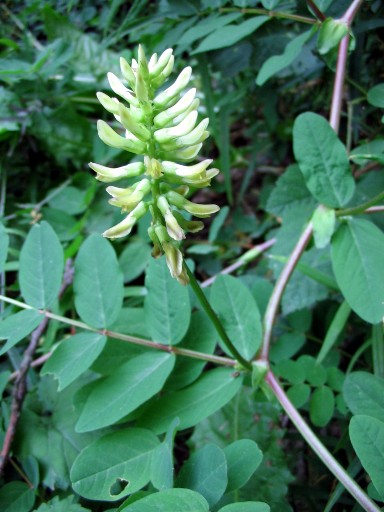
x=215, y=320
x=272, y=14
x=324, y=455
x=281, y=283
x=361, y=208
x=224, y=361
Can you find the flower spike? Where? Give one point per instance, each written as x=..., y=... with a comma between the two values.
x=164, y=129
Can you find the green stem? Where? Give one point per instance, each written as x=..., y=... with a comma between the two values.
x=215, y=320
x=321, y=451
x=224, y=361
x=272, y=14
x=355, y=210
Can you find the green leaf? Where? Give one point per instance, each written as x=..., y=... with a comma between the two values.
x=16, y=497
x=70, y=200
x=53, y=443
x=367, y=437
x=357, y=258
x=292, y=371
x=206, y=473
x=323, y=160
x=206, y=26
x=217, y=223
x=134, y=260
x=65, y=505
x=201, y=337
x=162, y=467
x=177, y=500
x=74, y=356
x=321, y=406
x=114, y=465
x=334, y=330
x=4, y=243
x=323, y=221
x=109, y=400
x=330, y=34
x=315, y=373
x=98, y=283
x=16, y=327
x=276, y=63
x=364, y=394
x=167, y=306
x=376, y=95
x=41, y=266
x=229, y=35
x=246, y=506
x=239, y=314
x=299, y=394
x=243, y=458
x=208, y=394
x=290, y=193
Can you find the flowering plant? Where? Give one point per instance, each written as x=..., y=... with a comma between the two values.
x=161, y=126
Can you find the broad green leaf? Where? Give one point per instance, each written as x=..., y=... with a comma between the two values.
x=167, y=306
x=286, y=346
x=367, y=438
x=364, y=394
x=321, y=406
x=114, y=465
x=323, y=160
x=16, y=327
x=16, y=497
x=206, y=473
x=74, y=356
x=243, y=458
x=323, y=221
x=4, y=243
x=65, y=505
x=376, y=95
x=98, y=283
x=334, y=330
x=201, y=337
x=246, y=506
x=238, y=312
x=230, y=34
x=315, y=373
x=175, y=500
x=70, y=200
x=131, y=385
x=206, y=26
x=357, y=258
x=276, y=63
x=53, y=443
x=217, y=223
x=364, y=153
x=208, y=394
x=41, y=266
x=162, y=466
x=134, y=260
x=299, y=394
x=291, y=193
x=291, y=370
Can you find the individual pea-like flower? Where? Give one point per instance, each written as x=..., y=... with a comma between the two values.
x=162, y=127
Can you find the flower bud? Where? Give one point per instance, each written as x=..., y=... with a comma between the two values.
x=120, y=89
x=173, y=228
x=139, y=130
x=111, y=138
x=160, y=79
x=125, y=226
x=167, y=115
x=160, y=65
x=198, y=210
x=153, y=167
x=110, y=104
x=198, y=134
x=108, y=174
x=167, y=134
x=163, y=99
x=184, y=155
x=127, y=72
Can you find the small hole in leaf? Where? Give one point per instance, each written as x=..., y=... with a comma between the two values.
x=118, y=486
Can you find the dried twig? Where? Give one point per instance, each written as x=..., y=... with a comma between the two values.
x=20, y=386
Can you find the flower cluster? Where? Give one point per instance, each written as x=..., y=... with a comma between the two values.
x=163, y=128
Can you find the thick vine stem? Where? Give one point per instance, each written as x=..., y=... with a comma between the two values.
x=215, y=320
x=324, y=455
